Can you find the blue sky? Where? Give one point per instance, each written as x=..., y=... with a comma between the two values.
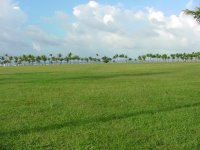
x=107, y=27
x=36, y=9
x=47, y=7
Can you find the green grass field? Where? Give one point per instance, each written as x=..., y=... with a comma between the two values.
x=100, y=106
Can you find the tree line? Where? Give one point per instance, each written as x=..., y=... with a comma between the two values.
x=8, y=60
x=178, y=57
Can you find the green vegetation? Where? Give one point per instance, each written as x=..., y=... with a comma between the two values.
x=194, y=13
x=8, y=60
x=100, y=106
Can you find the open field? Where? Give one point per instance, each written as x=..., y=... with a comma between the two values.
x=102, y=106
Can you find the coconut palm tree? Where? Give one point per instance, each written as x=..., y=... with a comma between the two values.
x=31, y=59
x=130, y=59
x=144, y=57
x=44, y=58
x=66, y=59
x=126, y=57
x=69, y=57
x=2, y=60
x=198, y=56
x=19, y=61
x=38, y=59
x=97, y=55
x=50, y=59
x=16, y=59
x=164, y=57
x=195, y=13
x=86, y=59
x=24, y=59
x=140, y=58
x=82, y=59
x=158, y=56
x=106, y=59
x=54, y=60
x=173, y=57
x=10, y=58
x=149, y=57
x=90, y=59
x=60, y=58
x=6, y=61
x=115, y=57
x=121, y=56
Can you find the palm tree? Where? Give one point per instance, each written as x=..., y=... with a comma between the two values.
x=69, y=57
x=31, y=59
x=10, y=59
x=115, y=57
x=77, y=58
x=6, y=55
x=173, y=56
x=54, y=60
x=19, y=61
x=97, y=57
x=16, y=60
x=24, y=59
x=82, y=59
x=38, y=59
x=121, y=56
x=149, y=57
x=158, y=56
x=60, y=58
x=44, y=58
x=130, y=59
x=86, y=59
x=164, y=57
x=198, y=56
x=106, y=59
x=140, y=58
x=2, y=60
x=90, y=59
x=66, y=59
x=195, y=13
x=50, y=59
x=144, y=57
x=126, y=57
x=6, y=59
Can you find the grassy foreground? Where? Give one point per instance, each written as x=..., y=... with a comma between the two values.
x=104, y=106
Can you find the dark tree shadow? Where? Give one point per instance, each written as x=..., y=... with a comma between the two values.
x=54, y=79
x=77, y=123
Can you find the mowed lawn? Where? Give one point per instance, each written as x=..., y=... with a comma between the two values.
x=100, y=106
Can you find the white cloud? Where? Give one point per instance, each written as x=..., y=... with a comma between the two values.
x=111, y=27
x=36, y=46
x=155, y=15
x=12, y=20
x=17, y=37
x=100, y=28
x=42, y=40
x=93, y=4
x=16, y=8
x=108, y=19
x=76, y=12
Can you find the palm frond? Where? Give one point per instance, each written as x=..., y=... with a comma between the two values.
x=195, y=13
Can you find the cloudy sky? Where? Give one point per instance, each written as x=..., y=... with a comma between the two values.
x=88, y=27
